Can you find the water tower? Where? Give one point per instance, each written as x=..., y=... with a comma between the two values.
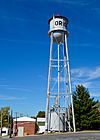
x=59, y=104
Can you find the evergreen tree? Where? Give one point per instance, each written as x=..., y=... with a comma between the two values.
x=87, y=117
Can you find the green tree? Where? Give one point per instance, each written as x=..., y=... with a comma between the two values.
x=41, y=114
x=5, y=116
x=87, y=117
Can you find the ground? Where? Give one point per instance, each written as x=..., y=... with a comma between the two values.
x=67, y=136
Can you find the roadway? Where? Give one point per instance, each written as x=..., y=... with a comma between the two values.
x=67, y=136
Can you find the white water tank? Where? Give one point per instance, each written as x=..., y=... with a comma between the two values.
x=58, y=26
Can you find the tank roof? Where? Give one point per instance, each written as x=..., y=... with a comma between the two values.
x=62, y=17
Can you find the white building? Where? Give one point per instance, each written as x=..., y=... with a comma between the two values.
x=41, y=125
x=4, y=131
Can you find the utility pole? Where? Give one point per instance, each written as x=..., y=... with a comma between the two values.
x=8, y=119
x=1, y=122
x=11, y=120
x=11, y=126
x=16, y=113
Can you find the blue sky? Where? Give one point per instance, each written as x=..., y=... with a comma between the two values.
x=24, y=49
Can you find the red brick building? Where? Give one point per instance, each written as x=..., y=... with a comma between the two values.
x=25, y=126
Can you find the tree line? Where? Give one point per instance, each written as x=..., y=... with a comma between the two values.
x=86, y=110
x=5, y=117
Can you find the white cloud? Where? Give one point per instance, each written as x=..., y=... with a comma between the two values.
x=11, y=98
x=94, y=74
x=15, y=88
x=3, y=85
x=89, y=77
x=85, y=45
x=96, y=94
x=23, y=41
x=86, y=73
x=87, y=84
x=76, y=2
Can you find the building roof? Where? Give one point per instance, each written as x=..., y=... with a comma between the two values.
x=40, y=119
x=25, y=119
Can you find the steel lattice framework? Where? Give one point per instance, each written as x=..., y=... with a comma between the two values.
x=59, y=90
